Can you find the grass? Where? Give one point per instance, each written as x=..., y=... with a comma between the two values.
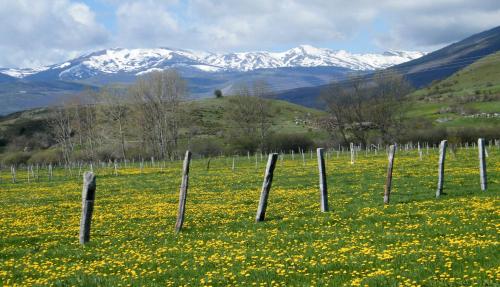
x=476, y=87
x=416, y=240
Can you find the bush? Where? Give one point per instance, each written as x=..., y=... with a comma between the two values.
x=429, y=135
x=218, y=94
x=242, y=144
x=46, y=156
x=80, y=155
x=288, y=142
x=206, y=147
x=15, y=158
x=454, y=135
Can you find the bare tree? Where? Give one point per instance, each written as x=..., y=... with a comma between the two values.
x=60, y=123
x=249, y=115
x=158, y=96
x=361, y=106
x=114, y=110
x=84, y=122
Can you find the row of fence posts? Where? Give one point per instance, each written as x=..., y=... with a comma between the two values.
x=353, y=150
x=442, y=157
x=89, y=185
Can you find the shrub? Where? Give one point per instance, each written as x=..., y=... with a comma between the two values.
x=454, y=135
x=15, y=158
x=218, y=94
x=206, y=146
x=46, y=156
x=288, y=142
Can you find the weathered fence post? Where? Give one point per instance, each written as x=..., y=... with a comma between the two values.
x=419, y=151
x=183, y=192
x=352, y=153
x=323, y=188
x=116, y=168
x=88, y=196
x=303, y=158
x=13, y=173
x=49, y=171
x=482, y=164
x=442, y=157
x=388, y=182
x=266, y=187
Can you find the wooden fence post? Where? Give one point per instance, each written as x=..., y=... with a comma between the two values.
x=323, y=189
x=442, y=157
x=352, y=153
x=482, y=164
x=266, y=187
x=183, y=192
x=88, y=196
x=50, y=172
x=303, y=158
x=116, y=168
x=388, y=182
x=13, y=173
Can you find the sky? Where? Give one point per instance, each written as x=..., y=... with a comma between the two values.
x=42, y=32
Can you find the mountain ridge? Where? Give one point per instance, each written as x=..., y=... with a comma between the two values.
x=138, y=61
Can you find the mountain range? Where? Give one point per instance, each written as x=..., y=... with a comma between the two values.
x=297, y=75
x=140, y=61
x=303, y=66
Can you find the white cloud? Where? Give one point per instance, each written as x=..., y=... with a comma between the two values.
x=48, y=31
x=43, y=31
x=145, y=23
x=227, y=25
x=427, y=23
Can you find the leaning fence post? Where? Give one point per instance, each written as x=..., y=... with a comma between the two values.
x=442, y=157
x=183, y=192
x=482, y=164
x=388, y=182
x=88, y=196
x=323, y=189
x=266, y=187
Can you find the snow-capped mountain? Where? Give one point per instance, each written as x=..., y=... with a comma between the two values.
x=140, y=61
x=204, y=72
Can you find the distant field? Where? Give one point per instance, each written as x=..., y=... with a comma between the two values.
x=417, y=240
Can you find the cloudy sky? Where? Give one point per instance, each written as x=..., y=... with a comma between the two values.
x=41, y=32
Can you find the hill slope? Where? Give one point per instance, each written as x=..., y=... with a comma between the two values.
x=469, y=97
x=444, y=62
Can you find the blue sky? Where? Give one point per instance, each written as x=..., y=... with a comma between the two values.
x=43, y=32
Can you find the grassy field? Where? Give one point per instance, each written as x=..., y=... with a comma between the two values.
x=417, y=240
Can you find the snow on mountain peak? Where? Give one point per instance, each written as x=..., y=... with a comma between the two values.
x=140, y=61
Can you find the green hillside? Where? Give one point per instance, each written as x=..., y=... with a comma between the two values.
x=204, y=119
x=469, y=97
